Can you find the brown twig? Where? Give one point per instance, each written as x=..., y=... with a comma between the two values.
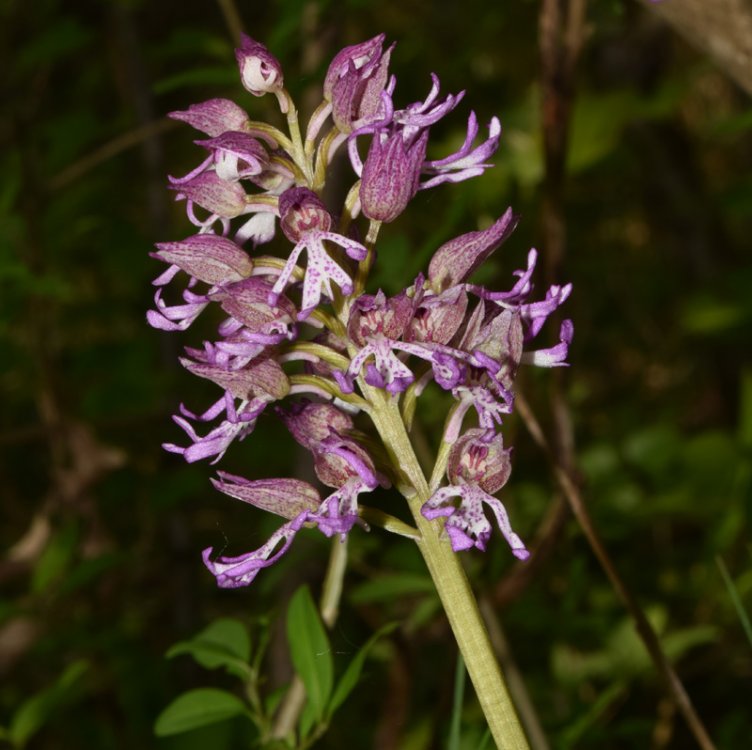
x=642, y=624
x=112, y=148
x=232, y=18
x=522, y=574
x=515, y=682
x=561, y=35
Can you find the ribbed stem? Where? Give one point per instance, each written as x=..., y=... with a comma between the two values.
x=452, y=586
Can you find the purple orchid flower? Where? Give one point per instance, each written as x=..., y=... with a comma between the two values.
x=305, y=221
x=205, y=258
x=356, y=78
x=478, y=467
x=468, y=339
x=351, y=472
x=397, y=154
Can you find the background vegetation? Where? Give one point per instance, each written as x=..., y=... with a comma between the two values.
x=102, y=530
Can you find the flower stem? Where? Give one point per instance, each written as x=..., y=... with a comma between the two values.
x=451, y=584
x=294, y=701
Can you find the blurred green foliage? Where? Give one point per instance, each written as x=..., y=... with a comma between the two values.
x=102, y=531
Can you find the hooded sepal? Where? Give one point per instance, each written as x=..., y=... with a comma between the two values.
x=390, y=174
x=283, y=497
x=260, y=71
x=455, y=261
x=213, y=117
x=207, y=257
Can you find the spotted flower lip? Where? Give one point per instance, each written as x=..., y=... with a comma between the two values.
x=234, y=572
x=306, y=221
x=478, y=466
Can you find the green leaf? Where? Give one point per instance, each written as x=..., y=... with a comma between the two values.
x=310, y=650
x=197, y=708
x=223, y=643
x=455, y=727
x=56, y=558
x=351, y=675
x=34, y=713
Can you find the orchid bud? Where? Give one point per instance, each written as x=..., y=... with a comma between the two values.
x=355, y=81
x=390, y=175
x=260, y=71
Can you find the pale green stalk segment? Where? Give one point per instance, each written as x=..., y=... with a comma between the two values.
x=364, y=267
x=298, y=151
x=324, y=385
x=451, y=583
x=376, y=517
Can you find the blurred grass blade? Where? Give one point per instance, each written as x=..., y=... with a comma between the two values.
x=485, y=740
x=735, y=598
x=457, y=701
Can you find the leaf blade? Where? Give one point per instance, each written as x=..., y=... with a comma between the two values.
x=350, y=676
x=197, y=708
x=310, y=650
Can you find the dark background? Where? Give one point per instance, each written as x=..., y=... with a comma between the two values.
x=102, y=530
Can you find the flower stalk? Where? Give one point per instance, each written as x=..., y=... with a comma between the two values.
x=454, y=590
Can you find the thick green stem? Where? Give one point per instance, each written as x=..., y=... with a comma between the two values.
x=452, y=585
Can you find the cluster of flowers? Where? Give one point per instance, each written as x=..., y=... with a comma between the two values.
x=468, y=339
